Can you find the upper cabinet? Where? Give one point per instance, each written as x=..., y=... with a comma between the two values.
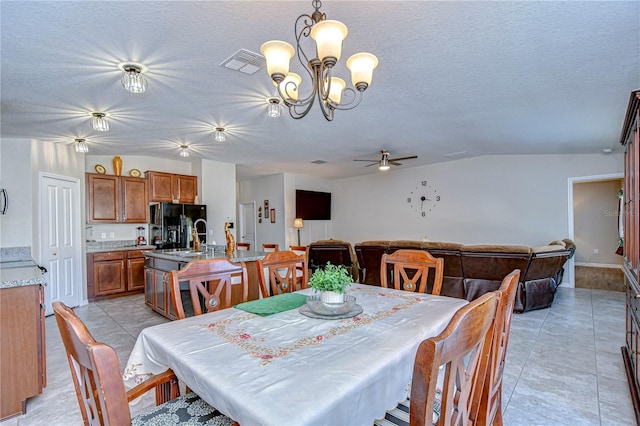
x=630, y=139
x=116, y=199
x=172, y=188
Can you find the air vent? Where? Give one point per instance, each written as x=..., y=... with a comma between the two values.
x=459, y=155
x=244, y=61
x=318, y=162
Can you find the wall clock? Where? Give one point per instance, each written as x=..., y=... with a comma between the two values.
x=423, y=198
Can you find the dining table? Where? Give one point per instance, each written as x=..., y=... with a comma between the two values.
x=289, y=368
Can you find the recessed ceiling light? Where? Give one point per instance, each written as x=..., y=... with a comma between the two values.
x=607, y=150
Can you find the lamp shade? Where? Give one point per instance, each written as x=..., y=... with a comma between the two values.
x=335, y=91
x=290, y=85
x=361, y=66
x=328, y=36
x=278, y=54
x=298, y=223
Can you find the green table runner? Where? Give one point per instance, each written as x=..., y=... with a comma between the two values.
x=274, y=304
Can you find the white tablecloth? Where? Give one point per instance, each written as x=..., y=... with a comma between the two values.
x=288, y=369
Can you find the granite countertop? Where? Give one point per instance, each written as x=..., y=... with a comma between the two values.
x=20, y=277
x=106, y=249
x=187, y=255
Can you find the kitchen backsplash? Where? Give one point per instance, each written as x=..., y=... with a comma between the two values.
x=15, y=253
x=98, y=245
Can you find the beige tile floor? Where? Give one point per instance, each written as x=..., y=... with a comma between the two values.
x=563, y=365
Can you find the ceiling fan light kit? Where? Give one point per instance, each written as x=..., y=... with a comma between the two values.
x=328, y=36
x=385, y=163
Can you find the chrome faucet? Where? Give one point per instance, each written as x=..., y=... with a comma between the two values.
x=195, y=227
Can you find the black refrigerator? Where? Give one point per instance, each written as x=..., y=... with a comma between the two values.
x=172, y=224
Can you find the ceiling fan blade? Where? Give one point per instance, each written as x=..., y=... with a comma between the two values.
x=372, y=164
x=403, y=158
x=395, y=163
x=371, y=161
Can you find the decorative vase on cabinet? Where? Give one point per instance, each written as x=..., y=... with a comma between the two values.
x=117, y=165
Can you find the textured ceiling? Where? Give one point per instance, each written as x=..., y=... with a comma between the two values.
x=482, y=77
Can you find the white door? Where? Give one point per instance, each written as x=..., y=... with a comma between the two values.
x=60, y=243
x=247, y=228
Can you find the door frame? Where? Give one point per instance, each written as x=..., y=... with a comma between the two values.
x=570, y=272
x=77, y=212
x=241, y=224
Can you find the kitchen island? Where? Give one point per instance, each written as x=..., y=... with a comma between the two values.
x=157, y=289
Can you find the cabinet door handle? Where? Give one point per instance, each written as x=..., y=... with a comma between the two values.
x=5, y=201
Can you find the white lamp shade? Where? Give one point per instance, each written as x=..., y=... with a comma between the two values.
x=290, y=85
x=278, y=54
x=298, y=223
x=328, y=36
x=361, y=66
x=335, y=91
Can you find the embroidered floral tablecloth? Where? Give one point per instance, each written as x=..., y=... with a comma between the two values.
x=288, y=369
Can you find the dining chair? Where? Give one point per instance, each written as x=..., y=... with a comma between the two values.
x=100, y=390
x=243, y=246
x=409, y=270
x=211, y=282
x=299, y=249
x=282, y=272
x=449, y=398
x=490, y=404
x=269, y=248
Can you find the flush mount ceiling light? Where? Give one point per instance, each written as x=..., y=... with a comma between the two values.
x=81, y=146
x=184, y=151
x=273, y=110
x=99, y=122
x=132, y=79
x=328, y=36
x=219, y=135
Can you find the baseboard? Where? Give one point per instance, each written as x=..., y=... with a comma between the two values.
x=598, y=265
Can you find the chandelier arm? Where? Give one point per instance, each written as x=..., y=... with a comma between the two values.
x=357, y=98
x=293, y=109
x=327, y=109
x=305, y=31
x=324, y=74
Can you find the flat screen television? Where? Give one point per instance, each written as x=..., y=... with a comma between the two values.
x=313, y=205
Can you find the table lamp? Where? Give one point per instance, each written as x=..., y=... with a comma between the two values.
x=298, y=224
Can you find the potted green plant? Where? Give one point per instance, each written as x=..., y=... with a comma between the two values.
x=331, y=282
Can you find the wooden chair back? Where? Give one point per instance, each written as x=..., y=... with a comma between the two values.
x=460, y=348
x=243, y=246
x=269, y=248
x=210, y=284
x=299, y=249
x=282, y=272
x=411, y=270
x=490, y=408
x=95, y=370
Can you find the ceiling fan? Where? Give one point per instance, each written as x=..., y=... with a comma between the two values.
x=384, y=163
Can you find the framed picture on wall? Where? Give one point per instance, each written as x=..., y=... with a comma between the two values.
x=266, y=209
x=273, y=215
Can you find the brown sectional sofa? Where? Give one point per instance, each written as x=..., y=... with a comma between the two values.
x=471, y=271
x=335, y=251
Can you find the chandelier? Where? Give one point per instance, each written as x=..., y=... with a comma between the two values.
x=328, y=36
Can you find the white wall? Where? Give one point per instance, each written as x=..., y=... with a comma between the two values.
x=218, y=184
x=15, y=177
x=492, y=199
x=266, y=188
x=313, y=230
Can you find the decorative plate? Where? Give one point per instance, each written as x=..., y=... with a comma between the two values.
x=306, y=311
x=100, y=169
x=134, y=173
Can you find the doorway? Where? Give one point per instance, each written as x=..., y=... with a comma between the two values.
x=60, y=239
x=571, y=264
x=247, y=224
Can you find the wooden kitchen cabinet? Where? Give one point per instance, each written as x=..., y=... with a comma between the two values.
x=115, y=273
x=169, y=187
x=116, y=199
x=22, y=347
